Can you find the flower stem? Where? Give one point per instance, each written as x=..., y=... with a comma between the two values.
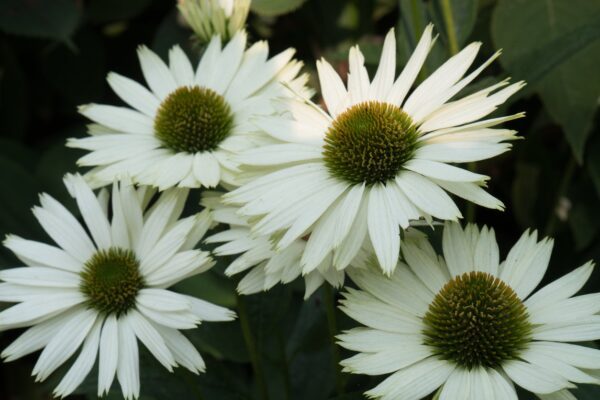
x=450, y=31
x=329, y=300
x=251, y=347
x=562, y=190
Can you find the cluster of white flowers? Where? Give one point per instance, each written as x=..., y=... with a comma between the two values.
x=328, y=194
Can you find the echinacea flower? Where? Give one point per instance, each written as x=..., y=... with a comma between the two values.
x=101, y=292
x=184, y=130
x=468, y=325
x=208, y=18
x=267, y=268
x=379, y=157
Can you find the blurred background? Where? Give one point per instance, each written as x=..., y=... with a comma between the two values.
x=55, y=55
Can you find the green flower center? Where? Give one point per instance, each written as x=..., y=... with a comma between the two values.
x=193, y=119
x=111, y=280
x=369, y=142
x=477, y=320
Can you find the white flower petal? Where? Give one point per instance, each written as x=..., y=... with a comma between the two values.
x=427, y=196
x=180, y=67
x=109, y=354
x=384, y=232
x=412, y=68
x=128, y=367
x=206, y=169
x=64, y=229
x=157, y=74
x=534, y=378
x=91, y=211
x=150, y=337
x=560, y=289
x=120, y=119
x=83, y=364
x=134, y=94
x=37, y=253
x=333, y=89
x=414, y=382
x=386, y=72
x=183, y=350
x=40, y=276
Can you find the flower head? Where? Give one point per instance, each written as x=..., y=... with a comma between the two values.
x=256, y=254
x=185, y=129
x=102, y=292
x=208, y=18
x=467, y=325
x=379, y=157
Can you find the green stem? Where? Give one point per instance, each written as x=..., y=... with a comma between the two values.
x=251, y=347
x=450, y=31
x=562, y=190
x=329, y=300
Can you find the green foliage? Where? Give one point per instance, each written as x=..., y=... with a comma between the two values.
x=272, y=8
x=55, y=19
x=55, y=55
x=555, y=46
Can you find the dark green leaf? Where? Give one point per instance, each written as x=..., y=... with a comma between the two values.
x=56, y=19
x=555, y=43
x=113, y=10
x=272, y=8
x=14, y=111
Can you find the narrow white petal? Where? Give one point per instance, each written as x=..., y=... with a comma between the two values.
x=91, y=211
x=412, y=68
x=578, y=356
x=456, y=250
x=40, y=276
x=414, y=382
x=427, y=196
x=38, y=308
x=180, y=67
x=384, y=232
x=83, y=364
x=183, y=350
x=64, y=229
x=385, y=362
x=109, y=354
x=503, y=387
x=333, y=89
x=134, y=94
x=128, y=366
x=442, y=171
x=579, y=331
x=65, y=343
x=120, y=119
x=156, y=73
x=422, y=264
x=534, y=378
x=229, y=61
x=37, y=253
x=386, y=72
x=150, y=337
x=472, y=192
x=210, y=312
x=560, y=289
x=442, y=79
x=206, y=169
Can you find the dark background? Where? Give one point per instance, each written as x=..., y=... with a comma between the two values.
x=55, y=54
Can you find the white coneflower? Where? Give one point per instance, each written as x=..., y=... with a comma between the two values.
x=215, y=17
x=378, y=158
x=101, y=294
x=267, y=268
x=184, y=130
x=469, y=326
